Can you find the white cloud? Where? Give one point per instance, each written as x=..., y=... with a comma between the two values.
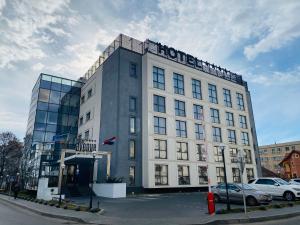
x=38, y=67
x=2, y=5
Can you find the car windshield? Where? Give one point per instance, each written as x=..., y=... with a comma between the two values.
x=282, y=182
x=246, y=186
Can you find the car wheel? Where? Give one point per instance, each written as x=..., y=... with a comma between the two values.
x=251, y=201
x=217, y=198
x=289, y=196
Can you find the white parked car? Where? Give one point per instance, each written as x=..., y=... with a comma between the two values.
x=276, y=187
x=295, y=181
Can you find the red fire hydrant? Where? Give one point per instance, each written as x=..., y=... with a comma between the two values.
x=211, y=203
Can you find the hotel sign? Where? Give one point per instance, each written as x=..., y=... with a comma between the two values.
x=86, y=146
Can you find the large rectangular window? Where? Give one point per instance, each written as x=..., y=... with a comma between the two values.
x=250, y=173
x=248, y=157
x=133, y=69
x=217, y=136
x=132, y=104
x=182, y=151
x=183, y=175
x=229, y=119
x=214, y=114
x=181, y=129
x=132, y=147
x=233, y=152
x=158, y=78
x=220, y=174
x=196, y=89
x=179, y=108
x=245, y=138
x=132, y=125
x=159, y=125
x=243, y=122
x=87, y=116
x=202, y=172
x=178, y=84
x=240, y=101
x=199, y=131
x=159, y=103
x=212, y=93
x=231, y=136
x=218, y=154
x=132, y=175
x=198, y=112
x=236, y=176
x=227, y=98
x=201, y=154
x=160, y=149
x=161, y=174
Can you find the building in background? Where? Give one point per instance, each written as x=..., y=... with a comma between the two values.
x=291, y=164
x=54, y=110
x=272, y=155
x=170, y=113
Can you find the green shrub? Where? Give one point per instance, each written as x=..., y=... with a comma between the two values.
x=262, y=207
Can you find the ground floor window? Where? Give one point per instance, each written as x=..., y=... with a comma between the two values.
x=250, y=173
x=202, y=171
x=236, y=176
x=183, y=175
x=220, y=174
x=132, y=175
x=161, y=175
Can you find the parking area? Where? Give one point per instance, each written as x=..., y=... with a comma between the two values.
x=191, y=204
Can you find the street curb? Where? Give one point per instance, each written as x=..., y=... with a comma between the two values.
x=250, y=220
x=70, y=218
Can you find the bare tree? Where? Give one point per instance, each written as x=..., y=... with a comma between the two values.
x=10, y=155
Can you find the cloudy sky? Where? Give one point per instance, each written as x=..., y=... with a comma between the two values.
x=258, y=39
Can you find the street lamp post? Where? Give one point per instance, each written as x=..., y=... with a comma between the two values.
x=222, y=147
x=92, y=181
x=60, y=191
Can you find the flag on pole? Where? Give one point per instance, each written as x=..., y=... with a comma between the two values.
x=109, y=141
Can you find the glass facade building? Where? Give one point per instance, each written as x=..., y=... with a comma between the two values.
x=54, y=111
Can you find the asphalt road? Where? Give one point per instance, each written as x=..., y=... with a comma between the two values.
x=290, y=221
x=11, y=215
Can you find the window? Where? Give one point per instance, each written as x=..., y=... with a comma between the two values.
x=132, y=149
x=229, y=119
x=82, y=99
x=243, y=123
x=90, y=93
x=236, y=176
x=287, y=149
x=183, y=175
x=231, y=136
x=214, y=114
x=198, y=112
x=132, y=175
x=161, y=175
x=179, y=108
x=250, y=173
x=132, y=104
x=44, y=95
x=133, y=69
x=217, y=137
x=248, y=157
x=227, y=98
x=158, y=78
x=293, y=147
x=196, y=89
x=54, y=97
x=202, y=172
x=265, y=181
x=233, y=155
x=182, y=151
x=218, y=154
x=212, y=93
x=132, y=125
x=87, y=116
x=159, y=104
x=160, y=149
x=201, y=155
x=240, y=101
x=279, y=150
x=220, y=174
x=199, y=131
x=159, y=125
x=245, y=138
x=178, y=84
x=87, y=135
x=181, y=129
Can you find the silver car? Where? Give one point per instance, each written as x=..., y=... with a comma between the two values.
x=253, y=196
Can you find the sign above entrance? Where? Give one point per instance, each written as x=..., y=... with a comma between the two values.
x=86, y=145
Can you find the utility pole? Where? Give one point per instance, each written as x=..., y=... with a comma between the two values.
x=92, y=181
x=225, y=177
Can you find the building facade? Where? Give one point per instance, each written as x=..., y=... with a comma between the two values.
x=291, y=164
x=170, y=113
x=272, y=155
